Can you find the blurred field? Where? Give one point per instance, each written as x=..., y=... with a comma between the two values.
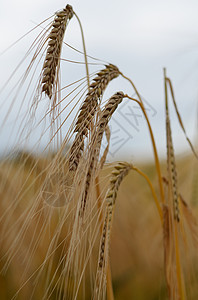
x=136, y=249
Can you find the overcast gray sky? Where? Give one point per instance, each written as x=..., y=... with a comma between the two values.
x=140, y=37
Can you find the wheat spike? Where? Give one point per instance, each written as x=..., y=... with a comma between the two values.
x=174, y=200
x=172, y=169
x=87, y=111
x=52, y=58
x=171, y=165
x=118, y=174
x=106, y=115
x=121, y=170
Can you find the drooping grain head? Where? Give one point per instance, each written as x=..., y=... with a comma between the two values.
x=90, y=104
x=88, y=110
x=118, y=174
x=106, y=115
x=120, y=171
x=52, y=58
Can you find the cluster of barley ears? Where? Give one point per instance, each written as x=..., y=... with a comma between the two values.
x=68, y=213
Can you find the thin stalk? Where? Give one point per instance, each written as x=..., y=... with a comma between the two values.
x=99, y=200
x=181, y=288
x=179, y=117
x=84, y=50
x=157, y=164
x=134, y=87
x=110, y=295
x=153, y=192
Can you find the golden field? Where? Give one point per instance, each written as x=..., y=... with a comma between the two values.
x=136, y=251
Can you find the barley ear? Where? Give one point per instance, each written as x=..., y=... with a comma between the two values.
x=52, y=58
x=102, y=124
x=87, y=112
x=173, y=197
x=118, y=174
x=171, y=165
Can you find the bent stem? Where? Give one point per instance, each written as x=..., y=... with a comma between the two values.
x=179, y=117
x=133, y=85
x=84, y=50
x=157, y=164
x=152, y=191
x=110, y=295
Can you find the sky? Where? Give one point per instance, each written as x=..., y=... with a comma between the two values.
x=140, y=38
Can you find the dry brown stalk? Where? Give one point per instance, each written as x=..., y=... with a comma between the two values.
x=87, y=112
x=179, y=117
x=106, y=115
x=169, y=254
x=103, y=158
x=157, y=163
x=117, y=175
x=167, y=241
x=52, y=58
x=110, y=295
x=152, y=191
